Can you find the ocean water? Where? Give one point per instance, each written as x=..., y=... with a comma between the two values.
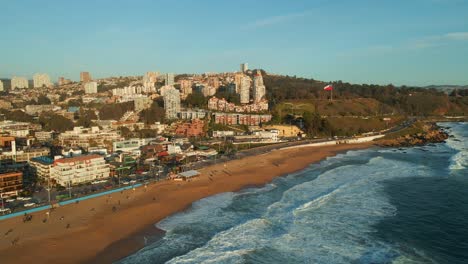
x=407, y=205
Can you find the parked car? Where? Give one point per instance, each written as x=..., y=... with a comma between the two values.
x=24, y=198
x=29, y=204
x=5, y=210
x=10, y=200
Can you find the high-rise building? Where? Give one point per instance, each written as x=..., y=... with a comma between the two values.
x=90, y=87
x=1, y=86
x=63, y=81
x=259, y=88
x=172, y=102
x=208, y=90
x=41, y=80
x=185, y=87
x=238, y=81
x=149, y=79
x=214, y=82
x=85, y=77
x=19, y=82
x=244, y=90
x=169, y=79
x=244, y=67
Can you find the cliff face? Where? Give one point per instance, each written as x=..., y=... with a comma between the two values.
x=428, y=133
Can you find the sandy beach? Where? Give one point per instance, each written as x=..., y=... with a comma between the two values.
x=108, y=228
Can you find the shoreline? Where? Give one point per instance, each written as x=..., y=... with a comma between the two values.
x=104, y=236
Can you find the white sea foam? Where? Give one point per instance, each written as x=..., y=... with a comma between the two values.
x=459, y=143
x=326, y=220
x=324, y=214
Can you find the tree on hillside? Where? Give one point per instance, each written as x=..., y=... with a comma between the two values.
x=314, y=124
x=43, y=100
x=85, y=118
x=196, y=99
x=115, y=111
x=16, y=115
x=51, y=121
x=153, y=114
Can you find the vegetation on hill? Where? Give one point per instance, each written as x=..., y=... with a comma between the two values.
x=16, y=115
x=196, y=99
x=404, y=100
x=53, y=122
x=153, y=114
x=115, y=111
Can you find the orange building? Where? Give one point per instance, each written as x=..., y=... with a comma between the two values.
x=11, y=183
x=195, y=128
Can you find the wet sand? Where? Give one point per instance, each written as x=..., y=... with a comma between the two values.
x=97, y=233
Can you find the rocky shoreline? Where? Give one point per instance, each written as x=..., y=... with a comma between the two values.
x=419, y=134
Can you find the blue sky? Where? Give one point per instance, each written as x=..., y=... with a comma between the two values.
x=414, y=42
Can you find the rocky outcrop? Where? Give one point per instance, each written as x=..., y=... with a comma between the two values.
x=429, y=133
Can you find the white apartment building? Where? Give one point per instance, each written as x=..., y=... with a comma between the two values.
x=19, y=82
x=88, y=137
x=71, y=171
x=169, y=79
x=244, y=67
x=90, y=87
x=172, y=102
x=244, y=90
x=1, y=86
x=41, y=79
x=259, y=88
x=131, y=144
x=149, y=79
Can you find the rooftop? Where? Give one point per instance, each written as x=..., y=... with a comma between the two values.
x=43, y=160
x=79, y=158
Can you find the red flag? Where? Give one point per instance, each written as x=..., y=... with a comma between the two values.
x=328, y=88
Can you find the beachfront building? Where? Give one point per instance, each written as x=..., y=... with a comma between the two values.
x=40, y=167
x=71, y=171
x=11, y=183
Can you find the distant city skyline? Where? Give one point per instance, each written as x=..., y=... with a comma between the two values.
x=419, y=42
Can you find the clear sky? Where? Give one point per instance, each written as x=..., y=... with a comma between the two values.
x=414, y=42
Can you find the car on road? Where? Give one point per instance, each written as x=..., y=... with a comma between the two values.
x=5, y=210
x=29, y=204
x=10, y=200
x=24, y=198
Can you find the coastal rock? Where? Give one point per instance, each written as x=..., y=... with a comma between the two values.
x=431, y=134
